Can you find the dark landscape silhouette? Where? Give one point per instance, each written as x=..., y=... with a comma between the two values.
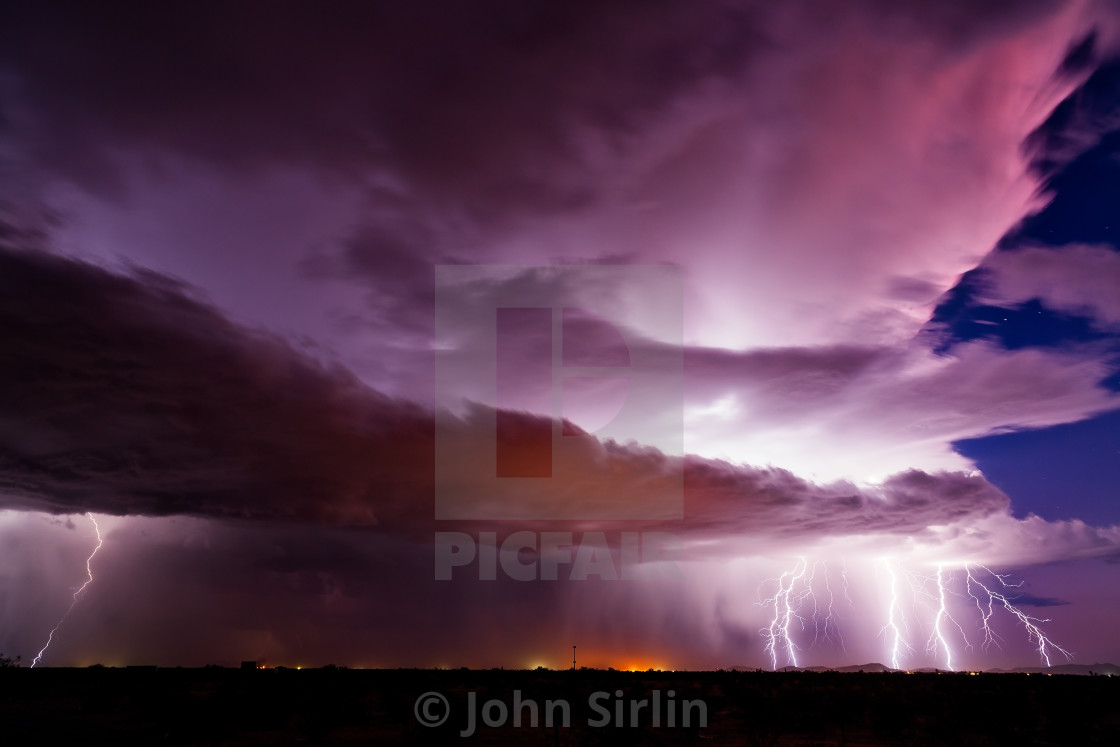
x=253, y=705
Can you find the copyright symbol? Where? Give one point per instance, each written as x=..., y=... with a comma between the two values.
x=429, y=707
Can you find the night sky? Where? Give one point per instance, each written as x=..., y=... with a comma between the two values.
x=288, y=291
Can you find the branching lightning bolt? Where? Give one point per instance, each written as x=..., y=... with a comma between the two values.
x=77, y=594
x=1034, y=633
x=804, y=596
x=778, y=633
x=805, y=586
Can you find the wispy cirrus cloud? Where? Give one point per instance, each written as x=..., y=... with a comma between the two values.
x=1077, y=279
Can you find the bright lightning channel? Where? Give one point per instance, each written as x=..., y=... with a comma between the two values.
x=895, y=619
x=796, y=601
x=1034, y=633
x=804, y=596
x=77, y=594
x=942, y=614
x=778, y=633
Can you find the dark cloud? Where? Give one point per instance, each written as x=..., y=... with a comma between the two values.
x=484, y=100
x=1081, y=56
x=392, y=258
x=25, y=226
x=490, y=104
x=130, y=395
x=785, y=504
x=1030, y=600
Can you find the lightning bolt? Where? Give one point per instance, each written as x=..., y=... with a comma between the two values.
x=831, y=626
x=804, y=596
x=844, y=579
x=938, y=636
x=986, y=610
x=778, y=633
x=895, y=619
x=77, y=594
x=1034, y=633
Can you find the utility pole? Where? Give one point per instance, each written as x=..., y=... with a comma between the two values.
x=573, y=657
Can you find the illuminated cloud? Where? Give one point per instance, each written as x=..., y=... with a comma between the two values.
x=862, y=413
x=244, y=351
x=1080, y=280
x=129, y=396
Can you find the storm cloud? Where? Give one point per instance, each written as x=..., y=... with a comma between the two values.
x=129, y=394
x=220, y=225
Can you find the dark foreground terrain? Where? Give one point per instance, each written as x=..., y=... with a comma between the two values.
x=340, y=706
